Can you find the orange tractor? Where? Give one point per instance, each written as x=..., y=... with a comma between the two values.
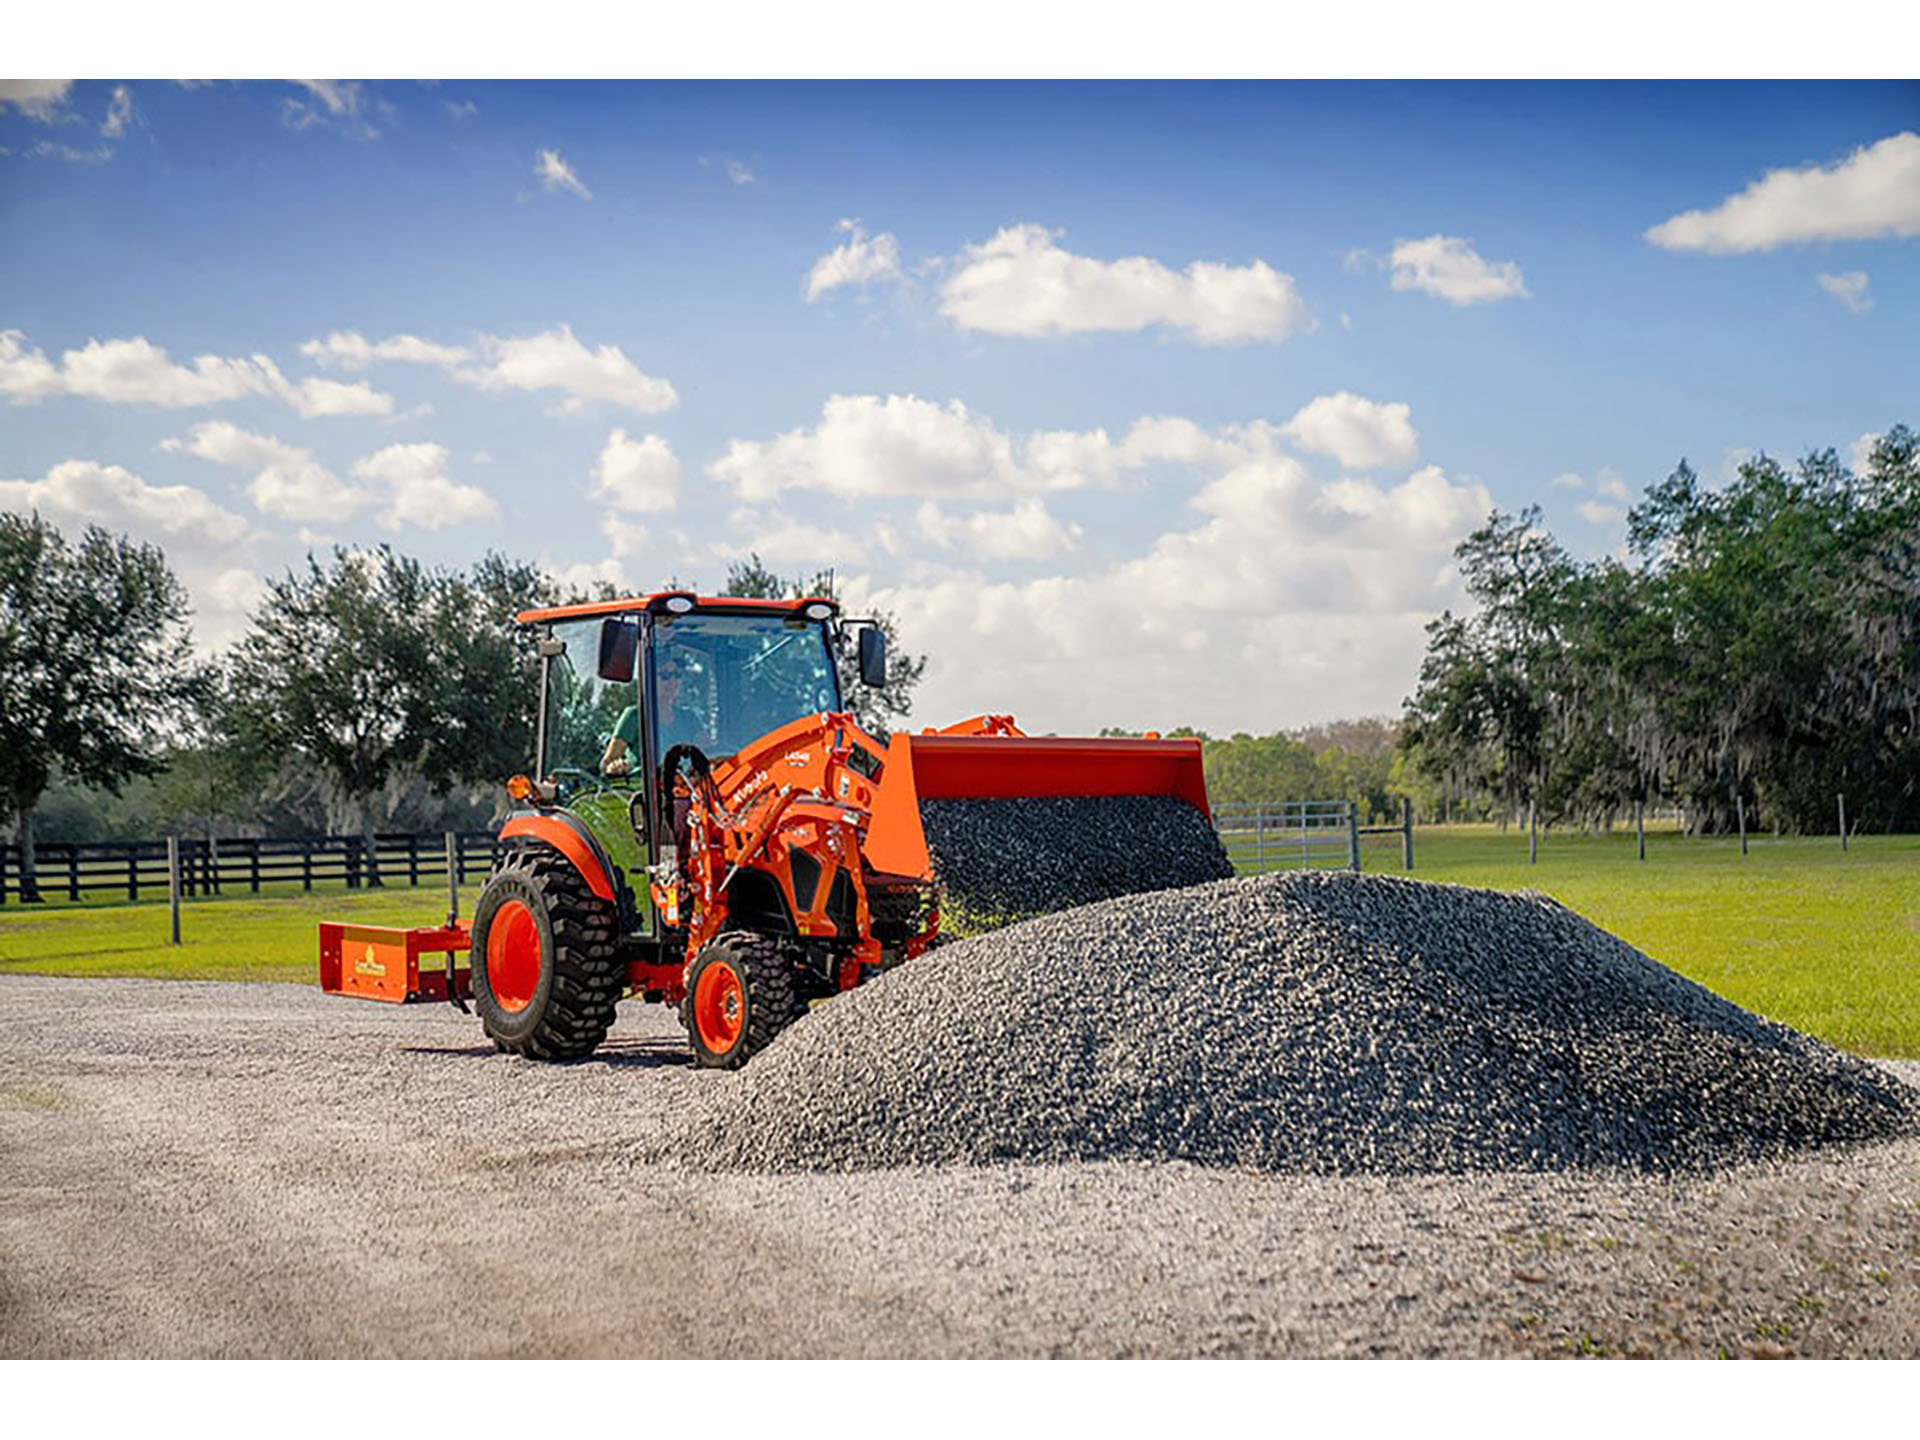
x=711, y=830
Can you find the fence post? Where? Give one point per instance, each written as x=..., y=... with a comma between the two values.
x=133, y=871
x=453, y=883
x=1260, y=838
x=173, y=883
x=1740, y=809
x=1533, y=835
x=413, y=858
x=73, y=873
x=1353, y=836
x=306, y=864
x=254, y=857
x=353, y=847
x=213, y=859
x=3, y=874
x=1640, y=825
x=1406, y=830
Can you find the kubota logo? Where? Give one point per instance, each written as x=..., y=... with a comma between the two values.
x=367, y=965
x=798, y=758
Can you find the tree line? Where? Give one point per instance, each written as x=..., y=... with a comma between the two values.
x=1753, y=656
x=368, y=689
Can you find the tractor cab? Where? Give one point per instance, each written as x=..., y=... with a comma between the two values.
x=626, y=683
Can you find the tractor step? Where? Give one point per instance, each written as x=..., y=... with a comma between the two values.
x=381, y=962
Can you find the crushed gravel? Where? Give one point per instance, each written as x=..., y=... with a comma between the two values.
x=1001, y=861
x=193, y=1169
x=1302, y=1022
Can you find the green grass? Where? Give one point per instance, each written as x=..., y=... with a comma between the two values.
x=1824, y=940
x=240, y=937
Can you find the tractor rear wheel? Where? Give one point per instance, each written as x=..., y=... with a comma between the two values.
x=546, y=977
x=740, y=994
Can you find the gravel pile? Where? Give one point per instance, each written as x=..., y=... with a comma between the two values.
x=1002, y=861
x=1306, y=1022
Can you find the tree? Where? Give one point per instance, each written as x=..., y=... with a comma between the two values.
x=96, y=669
x=375, y=672
x=873, y=709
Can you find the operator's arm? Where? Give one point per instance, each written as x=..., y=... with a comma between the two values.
x=626, y=735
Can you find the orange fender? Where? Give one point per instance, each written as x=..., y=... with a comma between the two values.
x=554, y=831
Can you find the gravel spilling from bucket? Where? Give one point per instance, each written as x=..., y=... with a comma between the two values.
x=1001, y=861
x=1307, y=1022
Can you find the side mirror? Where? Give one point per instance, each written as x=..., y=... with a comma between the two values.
x=873, y=657
x=619, y=643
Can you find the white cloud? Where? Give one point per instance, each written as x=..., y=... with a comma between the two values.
x=1360, y=433
x=1291, y=601
x=556, y=174
x=350, y=350
x=641, y=474
x=1594, y=513
x=858, y=260
x=1860, y=454
x=1608, y=482
x=288, y=483
x=1027, y=532
x=119, y=113
x=1569, y=481
x=340, y=104
x=1447, y=266
x=1873, y=193
x=37, y=99
x=873, y=445
x=782, y=541
x=419, y=492
x=624, y=537
x=738, y=173
x=1850, y=289
x=555, y=360
x=1021, y=283
x=138, y=372
x=81, y=490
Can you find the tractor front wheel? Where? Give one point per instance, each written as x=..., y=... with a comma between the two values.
x=740, y=995
x=545, y=974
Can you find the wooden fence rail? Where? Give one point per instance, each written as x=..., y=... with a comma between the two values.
x=213, y=867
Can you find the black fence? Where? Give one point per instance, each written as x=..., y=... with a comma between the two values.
x=210, y=867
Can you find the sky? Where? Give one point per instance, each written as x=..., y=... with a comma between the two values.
x=1135, y=404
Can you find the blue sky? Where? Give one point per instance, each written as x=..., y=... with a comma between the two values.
x=1137, y=404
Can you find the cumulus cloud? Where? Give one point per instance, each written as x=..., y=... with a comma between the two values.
x=288, y=483
x=350, y=350
x=37, y=99
x=550, y=360
x=138, y=372
x=555, y=360
x=1860, y=453
x=1850, y=289
x=1447, y=266
x=419, y=492
x=1594, y=513
x=1021, y=283
x=874, y=445
x=1027, y=532
x=642, y=474
x=556, y=174
x=119, y=113
x=857, y=260
x=1290, y=601
x=780, y=540
x=1360, y=433
x=1873, y=193
x=109, y=495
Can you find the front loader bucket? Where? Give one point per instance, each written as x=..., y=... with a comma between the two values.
x=1011, y=825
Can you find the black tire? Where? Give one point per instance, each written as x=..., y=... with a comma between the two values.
x=761, y=977
x=558, y=1004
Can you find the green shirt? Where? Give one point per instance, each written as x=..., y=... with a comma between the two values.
x=627, y=728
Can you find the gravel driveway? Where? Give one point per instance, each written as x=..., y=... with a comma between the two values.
x=235, y=1170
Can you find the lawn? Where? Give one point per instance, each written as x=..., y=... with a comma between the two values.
x=1824, y=940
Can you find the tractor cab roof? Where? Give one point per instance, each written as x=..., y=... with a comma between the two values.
x=684, y=602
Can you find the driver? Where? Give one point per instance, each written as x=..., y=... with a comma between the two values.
x=625, y=744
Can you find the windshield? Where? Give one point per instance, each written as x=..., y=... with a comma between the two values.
x=725, y=680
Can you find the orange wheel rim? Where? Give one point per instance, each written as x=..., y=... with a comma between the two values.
x=513, y=956
x=719, y=1007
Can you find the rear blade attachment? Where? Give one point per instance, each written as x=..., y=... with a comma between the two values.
x=1010, y=826
x=380, y=962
